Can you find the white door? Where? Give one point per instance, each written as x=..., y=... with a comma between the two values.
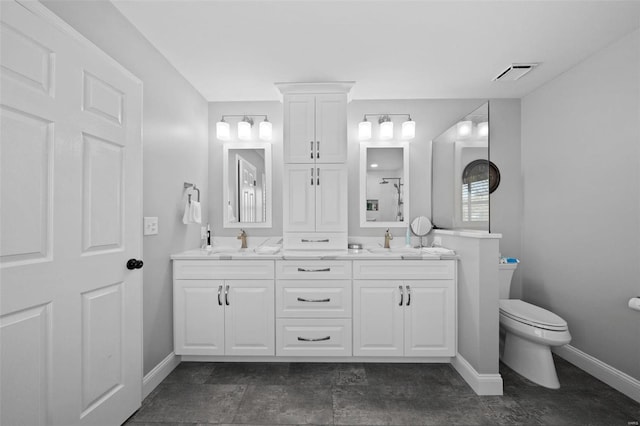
x=331, y=198
x=299, y=129
x=299, y=198
x=250, y=317
x=198, y=312
x=429, y=318
x=378, y=311
x=331, y=128
x=70, y=311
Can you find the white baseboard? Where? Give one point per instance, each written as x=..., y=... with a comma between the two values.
x=618, y=380
x=482, y=384
x=154, y=377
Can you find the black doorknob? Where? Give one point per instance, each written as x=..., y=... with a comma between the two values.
x=134, y=264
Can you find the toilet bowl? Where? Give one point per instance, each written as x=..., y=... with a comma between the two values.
x=527, y=333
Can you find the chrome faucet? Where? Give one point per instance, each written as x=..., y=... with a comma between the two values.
x=243, y=237
x=387, y=237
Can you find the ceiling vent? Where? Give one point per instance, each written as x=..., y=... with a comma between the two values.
x=515, y=72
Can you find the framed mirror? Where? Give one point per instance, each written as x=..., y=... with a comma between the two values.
x=246, y=180
x=384, y=184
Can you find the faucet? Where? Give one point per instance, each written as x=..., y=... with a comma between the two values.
x=387, y=237
x=243, y=237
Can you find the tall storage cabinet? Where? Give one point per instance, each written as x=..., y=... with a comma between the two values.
x=315, y=171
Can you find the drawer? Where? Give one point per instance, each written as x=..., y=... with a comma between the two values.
x=313, y=299
x=315, y=241
x=404, y=269
x=313, y=269
x=223, y=269
x=313, y=337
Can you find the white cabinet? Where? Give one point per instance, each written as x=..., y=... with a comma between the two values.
x=315, y=198
x=231, y=316
x=315, y=128
x=396, y=314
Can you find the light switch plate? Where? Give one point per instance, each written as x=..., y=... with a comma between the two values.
x=150, y=226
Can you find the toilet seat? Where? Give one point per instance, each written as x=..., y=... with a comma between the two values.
x=532, y=315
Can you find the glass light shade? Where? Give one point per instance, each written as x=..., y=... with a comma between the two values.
x=265, y=130
x=386, y=130
x=464, y=128
x=409, y=129
x=222, y=130
x=244, y=130
x=483, y=129
x=364, y=130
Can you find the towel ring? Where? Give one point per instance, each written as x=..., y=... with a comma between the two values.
x=195, y=188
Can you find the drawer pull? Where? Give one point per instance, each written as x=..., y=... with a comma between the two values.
x=320, y=339
x=300, y=299
x=226, y=295
x=219, y=292
x=408, y=295
x=314, y=241
x=314, y=270
x=401, y=295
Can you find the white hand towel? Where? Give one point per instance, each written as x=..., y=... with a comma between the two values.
x=196, y=212
x=186, y=217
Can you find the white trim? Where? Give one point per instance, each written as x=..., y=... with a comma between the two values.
x=42, y=11
x=346, y=359
x=615, y=378
x=154, y=377
x=482, y=384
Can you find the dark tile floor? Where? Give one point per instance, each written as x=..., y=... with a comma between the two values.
x=374, y=394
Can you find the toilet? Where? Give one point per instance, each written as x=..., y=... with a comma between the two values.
x=527, y=333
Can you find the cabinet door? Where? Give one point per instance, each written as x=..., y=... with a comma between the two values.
x=299, y=198
x=250, y=317
x=430, y=318
x=331, y=128
x=299, y=129
x=331, y=198
x=198, y=317
x=377, y=318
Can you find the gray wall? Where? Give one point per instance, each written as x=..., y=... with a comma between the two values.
x=174, y=150
x=581, y=228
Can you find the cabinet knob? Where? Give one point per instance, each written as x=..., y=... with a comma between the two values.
x=134, y=264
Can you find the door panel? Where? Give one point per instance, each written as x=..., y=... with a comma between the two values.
x=299, y=198
x=377, y=318
x=331, y=198
x=299, y=129
x=71, y=139
x=331, y=128
x=249, y=318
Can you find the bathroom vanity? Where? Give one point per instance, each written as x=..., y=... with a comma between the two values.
x=284, y=308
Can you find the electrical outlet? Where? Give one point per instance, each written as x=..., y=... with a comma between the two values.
x=150, y=226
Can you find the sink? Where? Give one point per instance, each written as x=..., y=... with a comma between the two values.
x=224, y=250
x=395, y=250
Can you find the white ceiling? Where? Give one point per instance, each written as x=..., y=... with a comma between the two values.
x=234, y=50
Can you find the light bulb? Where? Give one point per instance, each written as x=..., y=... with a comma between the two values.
x=464, y=128
x=265, y=130
x=222, y=130
x=409, y=129
x=386, y=129
x=244, y=129
x=364, y=130
x=483, y=129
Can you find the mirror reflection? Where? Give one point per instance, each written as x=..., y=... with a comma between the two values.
x=461, y=178
x=247, y=177
x=384, y=199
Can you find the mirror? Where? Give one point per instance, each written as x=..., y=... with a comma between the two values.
x=462, y=175
x=246, y=178
x=384, y=184
x=421, y=226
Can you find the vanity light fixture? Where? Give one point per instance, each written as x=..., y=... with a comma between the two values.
x=265, y=131
x=386, y=127
x=483, y=129
x=464, y=128
x=373, y=165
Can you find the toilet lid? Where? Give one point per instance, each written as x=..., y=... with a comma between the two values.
x=527, y=313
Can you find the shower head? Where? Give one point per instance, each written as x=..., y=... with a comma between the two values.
x=384, y=182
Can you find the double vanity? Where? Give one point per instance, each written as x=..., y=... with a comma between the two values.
x=393, y=305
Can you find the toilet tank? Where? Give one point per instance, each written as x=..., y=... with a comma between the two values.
x=505, y=273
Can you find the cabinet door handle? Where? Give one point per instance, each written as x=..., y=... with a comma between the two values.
x=304, y=240
x=408, y=295
x=320, y=339
x=318, y=149
x=311, y=149
x=300, y=299
x=219, y=294
x=312, y=176
x=226, y=295
x=318, y=173
x=314, y=270
x=401, y=294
